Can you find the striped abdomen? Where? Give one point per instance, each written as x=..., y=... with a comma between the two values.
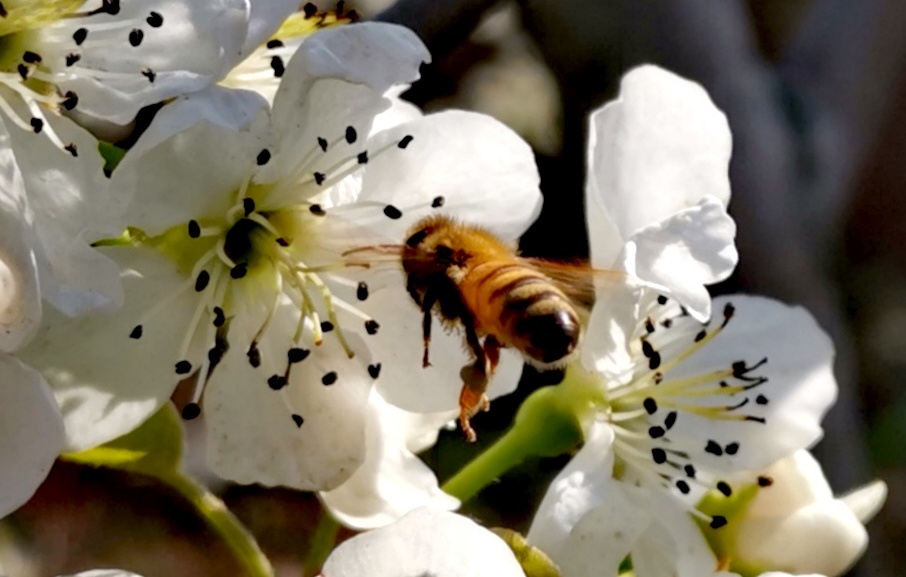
x=523, y=309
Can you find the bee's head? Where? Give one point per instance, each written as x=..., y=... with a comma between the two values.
x=429, y=246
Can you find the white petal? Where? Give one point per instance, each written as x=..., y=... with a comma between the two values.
x=73, y=205
x=219, y=130
x=672, y=545
x=31, y=432
x=425, y=542
x=104, y=573
x=661, y=147
x=867, y=500
x=485, y=173
x=20, y=299
x=800, y=384
x=252, y=437
x=106, y=382
x=392, y=481
x=588, y=521
x=613, y=321
x=685, y=252
x=265, y=18
x=190, y=50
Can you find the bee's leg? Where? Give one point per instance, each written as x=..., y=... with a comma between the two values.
x=427, y=305
x=472, y=398
x=492, y=350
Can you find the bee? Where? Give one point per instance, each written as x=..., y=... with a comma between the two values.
x=471, y=279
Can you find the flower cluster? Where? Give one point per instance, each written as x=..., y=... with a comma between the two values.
x=239, y=247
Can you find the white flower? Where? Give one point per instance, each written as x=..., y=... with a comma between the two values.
x=424, y=542
x=787, y=518
x=392, y=481
x=232, y=270
x=676, y=401
x=107, y=58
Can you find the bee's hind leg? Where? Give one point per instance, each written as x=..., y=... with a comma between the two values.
x=475, y=377
x=427, y=304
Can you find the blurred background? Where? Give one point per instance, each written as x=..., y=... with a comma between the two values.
x=815, y=93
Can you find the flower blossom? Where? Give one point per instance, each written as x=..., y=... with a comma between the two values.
x=786, y=517
x=424, y=542
x=677, y=397
x=232, y=262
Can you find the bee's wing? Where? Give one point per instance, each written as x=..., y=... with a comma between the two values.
x=576, y=278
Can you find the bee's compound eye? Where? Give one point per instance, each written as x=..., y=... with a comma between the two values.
x=553, y=335
x=417, y=238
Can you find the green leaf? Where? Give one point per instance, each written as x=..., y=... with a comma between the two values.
x=112, y=155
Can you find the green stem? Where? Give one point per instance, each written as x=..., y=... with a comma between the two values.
x=549, y=423
x=322, y=543
x=225, y=524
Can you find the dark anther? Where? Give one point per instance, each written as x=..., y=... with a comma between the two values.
x=239, y=271
x=659, y=455
x=729, y=311
x=201, y=282
x=72, y=148
x=248, y=205
x=215, y=354
x=322, y=142
x=329, y=379
x=30, y=57
x=309, y=9
x=326, y=326
x=263, y=157
x=657, y=378
x=690, y=471
x=23, y=71
x=667, y=323
x=405, y=141
x=282, y=241
x=718, y=521
x=277, y=66
x=219, y=317
x=650, y=405
x=362, y=158
x=670, y=420
x=351, y=135
x=254, y=355
x=714, y=448
x=191, y=411
x=371, y=326
x=392, y=212
x=71, y=99
x=661, y=300
x=654, y=357
x=374, y=370
x=701, y=335
x=761, y=400
x=765, y=481
x=656, y=432
x=183, y=367
x=72, y=58
x=438, y=202
x=724, y=488
x=194, y=229
x=136, y=332
x=149, y=74
x=80, y=35
x=154, y=20
x=107, y=172
x=319, y=178
x=136, y=36
x=755, y=419
x=297, y=355
x=317, y=210
x=649, y=326
x=298, y=420
x=36, y=124
x=361, y=291
x=111, y=7
x=271, y=44
x=683, y=487
x=731, y=448
x=276, y=382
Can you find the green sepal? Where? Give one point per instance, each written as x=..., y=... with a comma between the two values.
x=534, y=561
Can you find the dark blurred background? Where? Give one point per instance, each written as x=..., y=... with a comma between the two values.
x=815, y=92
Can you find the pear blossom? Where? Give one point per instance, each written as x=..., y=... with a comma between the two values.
x=786, y=517
x=675, y=398
x=424, y=542
x=233, y=266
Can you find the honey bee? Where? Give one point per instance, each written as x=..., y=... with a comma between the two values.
x=472, y=279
